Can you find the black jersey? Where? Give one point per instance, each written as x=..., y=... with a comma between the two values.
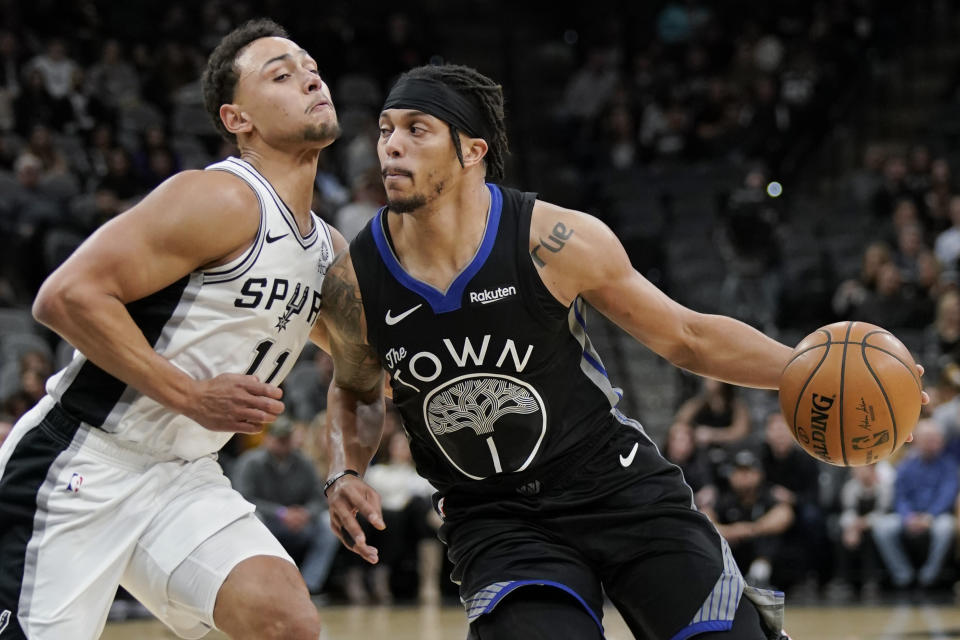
x=494, y=378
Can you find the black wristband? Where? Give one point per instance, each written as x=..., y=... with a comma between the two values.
x=345, y=472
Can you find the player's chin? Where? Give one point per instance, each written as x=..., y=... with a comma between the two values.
x=323, y=133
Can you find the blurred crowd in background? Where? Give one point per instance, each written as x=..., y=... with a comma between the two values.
x=791, y=164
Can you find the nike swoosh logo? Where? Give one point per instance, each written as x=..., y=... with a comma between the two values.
x=275, y=238
x=628, y=460
x=392, y=319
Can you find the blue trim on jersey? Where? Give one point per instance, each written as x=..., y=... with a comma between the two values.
x=513, y=585
x=450, y=300
x=586, y=355
x=703, y=627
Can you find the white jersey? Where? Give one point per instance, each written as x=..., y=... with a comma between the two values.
x=252, y=315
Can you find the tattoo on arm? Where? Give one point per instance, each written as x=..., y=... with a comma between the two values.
x=554, y=242
x=356, y=364
x=341, y=302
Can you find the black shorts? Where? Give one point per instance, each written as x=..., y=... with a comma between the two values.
x=622, y=523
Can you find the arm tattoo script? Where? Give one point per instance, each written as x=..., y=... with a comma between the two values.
x=554, y=242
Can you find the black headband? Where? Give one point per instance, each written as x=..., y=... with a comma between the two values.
x=437, y=99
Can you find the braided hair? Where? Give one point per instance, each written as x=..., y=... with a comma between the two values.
x=487, y=95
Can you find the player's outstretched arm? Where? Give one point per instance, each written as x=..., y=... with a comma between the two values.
x=194, y=219
x=355, y=409
x=578, y=255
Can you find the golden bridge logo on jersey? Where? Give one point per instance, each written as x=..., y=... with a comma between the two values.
x=295, y=305
x=486, y=423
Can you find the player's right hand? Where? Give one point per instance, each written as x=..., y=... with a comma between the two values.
x=234, y=402
x=348, y=497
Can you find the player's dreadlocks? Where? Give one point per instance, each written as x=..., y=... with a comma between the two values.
x=220, y=77
x=488, y=96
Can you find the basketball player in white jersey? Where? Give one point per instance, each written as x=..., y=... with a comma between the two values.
x=186, y=312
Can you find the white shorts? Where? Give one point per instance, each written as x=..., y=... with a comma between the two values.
x=81, y=514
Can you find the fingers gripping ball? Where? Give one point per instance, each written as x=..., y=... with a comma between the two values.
x=850, y=393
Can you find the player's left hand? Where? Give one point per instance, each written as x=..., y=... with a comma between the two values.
x=348, y=497
x=924, y=398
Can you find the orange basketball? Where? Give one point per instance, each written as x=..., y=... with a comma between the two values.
x=850, y=393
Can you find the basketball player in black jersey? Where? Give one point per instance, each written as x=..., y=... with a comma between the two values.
x=473, y=297
x=203, y=558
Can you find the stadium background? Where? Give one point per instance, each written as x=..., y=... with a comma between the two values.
x=747, y=154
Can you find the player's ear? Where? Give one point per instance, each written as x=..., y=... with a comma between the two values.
x=474, y=150
x=235, y=120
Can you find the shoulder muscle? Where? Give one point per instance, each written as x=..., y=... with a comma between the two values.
x=573, y=251
x=193, y=219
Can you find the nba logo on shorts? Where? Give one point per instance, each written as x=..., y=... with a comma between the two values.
x=75, y=481
x=4, y=619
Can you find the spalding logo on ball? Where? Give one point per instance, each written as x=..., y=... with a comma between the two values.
x=850, y=393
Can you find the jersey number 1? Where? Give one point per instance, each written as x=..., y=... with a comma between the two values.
x=261, y=353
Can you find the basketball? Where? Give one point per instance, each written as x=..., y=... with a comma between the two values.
x=850, y=393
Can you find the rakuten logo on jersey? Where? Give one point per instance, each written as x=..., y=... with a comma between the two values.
x=492, y=295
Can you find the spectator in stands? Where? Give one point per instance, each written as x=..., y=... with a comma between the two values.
x=85, y=107
x=367, y=198
x=905, y=213
x=892, y=188
x=411, y=521
x=866, y=180
x=41, y=145
x=947, y=244
x=865, y=497
x=852, y=293
x=590, y=87
x=719, y=418
x=890, y=306
x=112, y=79
x=33, y=105
x=616, y=147
x=5, y=426
x=748, y=238
x=793, y=477
x=942, y=338
x=31, y=205
x=751, y=519
x=176, y=65
x=10, y=64
x=155, y=160
x=305, y=388
x=791, y=473
x=925, y=494
x=910, y=245
x=938, y=196
x=918, y=180
x=120, y=179
x=98, y=144
x=681, y=449
x=665, y=128
x=767, y=120
x=35, y=368
x=56, y=68
x=284, y=486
